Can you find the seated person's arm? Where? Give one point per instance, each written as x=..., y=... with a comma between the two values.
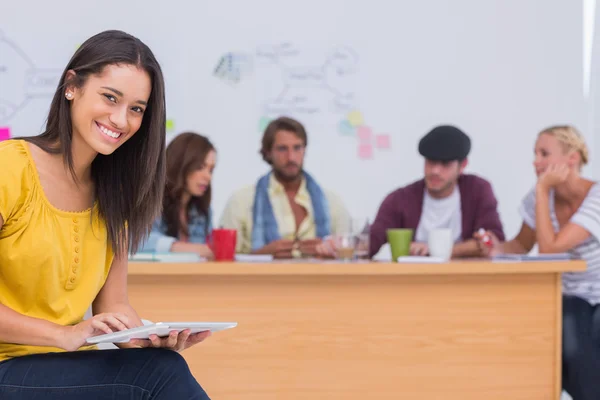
x=467, y=248
x=201, y=249
x=114, y=300
x=113, y=297
x=521, y=244
x=486, y=217
x=161, y=243
x=386, y=219
x=577, y=230
x=21, y=329
x=39, y=332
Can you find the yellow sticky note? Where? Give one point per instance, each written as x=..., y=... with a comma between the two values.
x=355, y=118
x=170, y=125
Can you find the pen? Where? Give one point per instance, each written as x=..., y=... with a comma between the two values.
x=487, y=240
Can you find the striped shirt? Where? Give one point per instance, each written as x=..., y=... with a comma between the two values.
x=585, y=284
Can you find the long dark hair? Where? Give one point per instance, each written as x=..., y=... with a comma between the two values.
x=185, y=154
x=129, y=183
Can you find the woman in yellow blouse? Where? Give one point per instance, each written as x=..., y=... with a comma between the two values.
x=71, y=200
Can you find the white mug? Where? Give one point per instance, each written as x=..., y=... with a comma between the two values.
x=440, y=243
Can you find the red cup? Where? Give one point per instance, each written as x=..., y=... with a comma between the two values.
x=222, y=243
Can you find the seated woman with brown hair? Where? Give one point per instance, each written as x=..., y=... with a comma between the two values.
x=186, y=220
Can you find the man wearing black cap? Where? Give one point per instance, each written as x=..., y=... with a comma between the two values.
x=445, y=198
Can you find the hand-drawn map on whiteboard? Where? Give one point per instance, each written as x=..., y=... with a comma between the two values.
x=289, y=85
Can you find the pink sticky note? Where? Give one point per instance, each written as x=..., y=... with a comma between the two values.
x=364, y=134
x=4, y=133
x=382, y=141
x=365, y=151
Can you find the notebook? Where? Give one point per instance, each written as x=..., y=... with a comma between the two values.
x=536, y=257
x=166, y=257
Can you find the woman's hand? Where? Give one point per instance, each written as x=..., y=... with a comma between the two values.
x=554, y=175
x=205, y=251
x=488, y=243
x=74, y=336
x=202, y=250
x=176, y=341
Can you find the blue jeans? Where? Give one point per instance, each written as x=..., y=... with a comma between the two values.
x=581, y=349
x=156, y=374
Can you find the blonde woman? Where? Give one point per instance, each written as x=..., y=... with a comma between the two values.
x=562, y=214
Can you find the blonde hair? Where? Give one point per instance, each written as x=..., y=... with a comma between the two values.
x=570, y=138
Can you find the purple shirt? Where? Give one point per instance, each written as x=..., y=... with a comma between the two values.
x=402, y=209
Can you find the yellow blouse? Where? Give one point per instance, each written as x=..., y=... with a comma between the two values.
x=53, y=263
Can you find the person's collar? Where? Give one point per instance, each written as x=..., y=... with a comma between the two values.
x=276, y=187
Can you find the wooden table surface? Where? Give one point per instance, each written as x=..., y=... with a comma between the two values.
x=460, y=330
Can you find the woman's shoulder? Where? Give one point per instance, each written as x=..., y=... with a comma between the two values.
x=592, y=197
x=12, y=152
x=528, y=200
x=594, y=189
x=14, y=159
x=16, y=178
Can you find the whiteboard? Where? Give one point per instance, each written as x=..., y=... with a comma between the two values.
x=368, y=79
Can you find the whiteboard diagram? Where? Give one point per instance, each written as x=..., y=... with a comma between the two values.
x=290, y=87
x=21, y=79
x=291, y=82
x=309, y=89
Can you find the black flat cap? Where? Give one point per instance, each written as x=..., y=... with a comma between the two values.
x=445, y=143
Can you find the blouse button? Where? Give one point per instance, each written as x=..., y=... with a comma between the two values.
x=77, y=238
x=72, y=280
x=74, y=269
x=76, y=229
x=76, y=259
x=75, y=220
x=77, y=249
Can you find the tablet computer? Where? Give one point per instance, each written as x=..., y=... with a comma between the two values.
x=161, y=329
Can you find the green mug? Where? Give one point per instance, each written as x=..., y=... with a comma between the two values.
x=399, y=240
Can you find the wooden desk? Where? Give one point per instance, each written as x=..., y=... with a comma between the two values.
x=464, y=330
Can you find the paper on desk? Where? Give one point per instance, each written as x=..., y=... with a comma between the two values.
x=166, y=257
x=254, y=257
x=536, y=257
x=421, y=259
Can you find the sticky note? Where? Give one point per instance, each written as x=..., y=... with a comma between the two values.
x=4, y=133
x=170, y=125
x=382, y=141
x=355, y=118
x=262, y=123
x=364, y=134
x=365, y=151
x=346, y=128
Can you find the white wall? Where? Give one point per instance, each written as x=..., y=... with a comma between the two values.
x=501, y=70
